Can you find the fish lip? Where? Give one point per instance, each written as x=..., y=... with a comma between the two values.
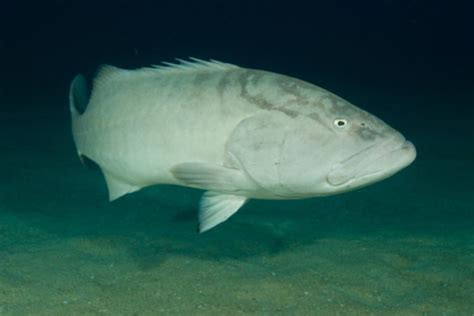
x=406, y=161
x=400, y=161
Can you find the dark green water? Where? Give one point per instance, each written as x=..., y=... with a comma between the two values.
x=404, y=246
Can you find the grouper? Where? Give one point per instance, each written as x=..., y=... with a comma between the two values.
x=236, y=133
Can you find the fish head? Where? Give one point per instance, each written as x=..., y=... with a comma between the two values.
x=343, y=149
x=308, y=142
x=365, y=150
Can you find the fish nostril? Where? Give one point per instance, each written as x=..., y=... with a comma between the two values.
x=363, y=124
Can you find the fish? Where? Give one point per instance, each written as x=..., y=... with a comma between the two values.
x=235, y=132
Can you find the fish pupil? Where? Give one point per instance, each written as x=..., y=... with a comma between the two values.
x=341, y=123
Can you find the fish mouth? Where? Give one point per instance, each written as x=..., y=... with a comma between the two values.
x=373, y=164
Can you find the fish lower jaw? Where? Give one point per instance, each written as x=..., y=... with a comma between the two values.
x=380, y=169
x=355, y=183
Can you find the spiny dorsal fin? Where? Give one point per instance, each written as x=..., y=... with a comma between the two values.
x=194, y=64
x=108, y=73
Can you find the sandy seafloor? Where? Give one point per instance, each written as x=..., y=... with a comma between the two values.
x=404, y=246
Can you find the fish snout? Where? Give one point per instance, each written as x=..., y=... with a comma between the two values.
x=373, y=164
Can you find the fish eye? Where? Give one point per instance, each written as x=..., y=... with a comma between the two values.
x=340, y=123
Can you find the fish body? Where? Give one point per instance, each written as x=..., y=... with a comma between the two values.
x=237, y=133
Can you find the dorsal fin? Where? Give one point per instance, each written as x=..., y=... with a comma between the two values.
x=193, y=65
x=104, y=74
x=108, y=73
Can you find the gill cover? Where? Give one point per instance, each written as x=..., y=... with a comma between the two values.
x=283, y=154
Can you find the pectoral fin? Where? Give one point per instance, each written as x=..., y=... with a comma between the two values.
x=211, y=177
x=217, y=207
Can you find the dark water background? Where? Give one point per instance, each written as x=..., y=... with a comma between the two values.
x=403, y=246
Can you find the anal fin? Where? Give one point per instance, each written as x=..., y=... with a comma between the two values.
x=118, y=187
x=89, y=163
x=216, y=208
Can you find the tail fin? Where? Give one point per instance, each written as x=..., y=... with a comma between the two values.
x=78, y=100
x=78, y=96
